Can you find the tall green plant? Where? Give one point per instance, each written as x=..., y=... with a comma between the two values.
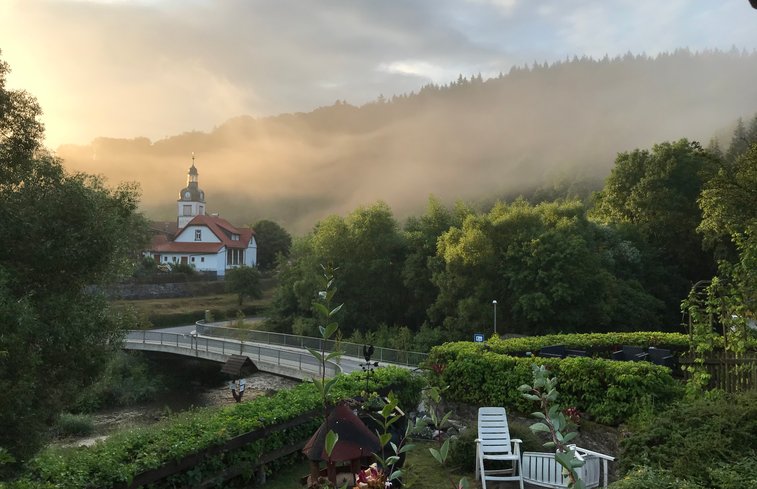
x=554, y=422
x=440, y=421
x=327, y=327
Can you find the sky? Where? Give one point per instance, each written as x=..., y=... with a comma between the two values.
x=156, y=68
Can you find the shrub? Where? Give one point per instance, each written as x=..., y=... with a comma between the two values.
x=75, y=425
x=710, y=441
x=121, y=457
x=649, y=478
x=609, y=391
x=600, y=344
x=126, y=380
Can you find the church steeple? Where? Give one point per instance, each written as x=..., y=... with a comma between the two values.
x=191, y=199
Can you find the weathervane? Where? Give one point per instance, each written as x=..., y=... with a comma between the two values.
x=368, y=366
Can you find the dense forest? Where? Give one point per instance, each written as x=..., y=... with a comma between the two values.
x=541, y=131
x=622, y=260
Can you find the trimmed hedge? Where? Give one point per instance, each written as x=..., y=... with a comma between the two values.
x=124, y=455
x=609, y=391
x=602, y=344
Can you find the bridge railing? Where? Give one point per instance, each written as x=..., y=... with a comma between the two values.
x=193, y=345
x=380, y=354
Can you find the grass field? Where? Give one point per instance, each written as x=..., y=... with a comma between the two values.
x=186, y=310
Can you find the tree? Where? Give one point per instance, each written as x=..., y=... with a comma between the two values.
x=549, y=268
x=61, y=233
x=368, y=250
x=245, y=282
x=655, y=192
x=729, y=200
x=421, y=235
x=272, y=240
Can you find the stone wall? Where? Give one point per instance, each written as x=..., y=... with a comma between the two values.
x=164, y=291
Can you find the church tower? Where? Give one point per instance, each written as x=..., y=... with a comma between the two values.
x=191, y=199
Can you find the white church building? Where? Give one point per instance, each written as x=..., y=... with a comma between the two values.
x=208, y=243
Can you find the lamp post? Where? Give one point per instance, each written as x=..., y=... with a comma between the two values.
x=494, y=303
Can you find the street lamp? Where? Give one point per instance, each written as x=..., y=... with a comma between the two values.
x=494, y=303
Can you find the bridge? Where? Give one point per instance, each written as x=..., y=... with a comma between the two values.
x=276, y=353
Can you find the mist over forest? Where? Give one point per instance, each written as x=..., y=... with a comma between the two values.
x=540, y=130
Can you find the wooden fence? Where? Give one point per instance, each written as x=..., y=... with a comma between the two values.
x=728, y=372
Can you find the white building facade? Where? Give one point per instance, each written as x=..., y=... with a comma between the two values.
x=207, y=243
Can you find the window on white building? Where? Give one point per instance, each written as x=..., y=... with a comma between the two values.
x=187, y=210
x=198, y=234
x=193, y=259
x=202, y=259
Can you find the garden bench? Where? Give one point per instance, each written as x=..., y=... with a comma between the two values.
x=541, y=469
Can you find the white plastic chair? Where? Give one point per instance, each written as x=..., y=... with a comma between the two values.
x=494, y=444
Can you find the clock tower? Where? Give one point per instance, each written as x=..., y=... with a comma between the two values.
x=191, y=199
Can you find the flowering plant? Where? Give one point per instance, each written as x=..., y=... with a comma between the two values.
x=371, y=478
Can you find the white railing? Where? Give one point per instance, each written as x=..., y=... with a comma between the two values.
x=380, y=354
x=194, y=345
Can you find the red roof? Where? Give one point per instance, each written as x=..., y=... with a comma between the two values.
x=223, y=229
x=190, y=247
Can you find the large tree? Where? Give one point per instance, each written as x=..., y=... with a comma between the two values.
x=368, y=251
x=62, y=233
x=655, y=192
x=272, y=240
x=549, y=268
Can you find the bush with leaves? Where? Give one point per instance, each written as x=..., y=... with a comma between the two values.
x=705, y=440
x=609, y=391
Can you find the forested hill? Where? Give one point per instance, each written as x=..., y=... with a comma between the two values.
x=530, y=130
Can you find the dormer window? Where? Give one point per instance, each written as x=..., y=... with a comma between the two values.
x=198, y=234
x=235, y=237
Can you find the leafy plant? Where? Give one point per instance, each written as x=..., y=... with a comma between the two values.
x=388, y=416
x=327, y=328
x=554, y=422
x=440, y=422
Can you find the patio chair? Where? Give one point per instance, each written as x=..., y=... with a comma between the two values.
x=495, y=445
x=630, y=354
x=554, y=351
x=661, y=356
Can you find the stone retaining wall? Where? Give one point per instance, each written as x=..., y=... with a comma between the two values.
x=164, y=291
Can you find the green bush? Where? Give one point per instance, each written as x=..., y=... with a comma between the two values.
x=711, y=441
x=648, y=478
x=599, y=344
x=737, y=475
x=610, y=392
x=75, y=425
x=126, y=380
x=122, y=456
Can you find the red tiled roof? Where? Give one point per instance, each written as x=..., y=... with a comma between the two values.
x=223, y=229
x=190, y=247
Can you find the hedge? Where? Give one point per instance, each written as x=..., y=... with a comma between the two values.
x=121, y=457
x=608, y=391
x=602, y=344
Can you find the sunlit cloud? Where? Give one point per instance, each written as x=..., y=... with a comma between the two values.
x=422, y=69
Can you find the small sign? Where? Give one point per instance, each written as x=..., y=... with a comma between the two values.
x=478, y=337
